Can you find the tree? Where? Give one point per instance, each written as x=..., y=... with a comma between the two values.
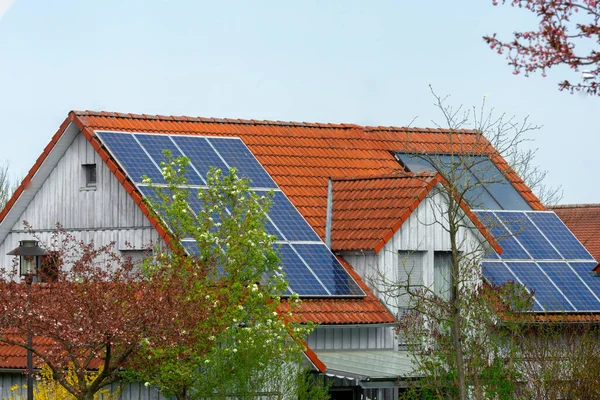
x=245, y=348
x=91, y=312
x=568, y=34
x=450, y=325
x=7, y=186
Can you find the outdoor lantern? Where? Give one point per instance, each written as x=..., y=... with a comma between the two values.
x=30, y=256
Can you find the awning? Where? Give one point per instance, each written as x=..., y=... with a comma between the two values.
x=369, y=368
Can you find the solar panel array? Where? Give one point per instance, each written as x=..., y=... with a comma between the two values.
x=311, y=269
x=540, y=253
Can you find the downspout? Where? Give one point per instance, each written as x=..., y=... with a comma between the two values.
x=329, y=213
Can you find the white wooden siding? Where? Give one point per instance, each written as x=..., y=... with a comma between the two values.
x=351, y=338
x=61, y=198
x=126, y=391
x=103, y=215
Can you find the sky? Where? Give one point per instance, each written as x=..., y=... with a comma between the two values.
x=361, y=62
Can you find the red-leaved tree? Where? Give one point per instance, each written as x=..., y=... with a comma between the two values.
x=568, y=34
x=96, y=309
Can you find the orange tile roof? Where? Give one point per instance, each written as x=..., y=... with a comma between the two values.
x=300, y=157
x=367, y=211
x=584, y=221
x=367, y=310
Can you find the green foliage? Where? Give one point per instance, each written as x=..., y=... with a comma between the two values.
x=242, y=347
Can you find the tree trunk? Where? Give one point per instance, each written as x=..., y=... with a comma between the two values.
x=456, y=317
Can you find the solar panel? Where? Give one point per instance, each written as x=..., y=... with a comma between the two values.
x=304, y=274
x=301, y=280
x=496, y=273
x=484, y=186
x=584, y=271
x=329, y=270
x=130, y=155
x=560, y=236
x=497, y=185
x=201, y=154
x=511, y=249
x=572, y=287
x=236, y=154
x=528, y=235
x=548, y=296
x=289, y=221
x=156, y=144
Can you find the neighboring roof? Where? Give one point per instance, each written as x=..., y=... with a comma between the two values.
x=365, y=310
x=15, y=357
x=369, y=367
x=367, y=211
x=584, y=221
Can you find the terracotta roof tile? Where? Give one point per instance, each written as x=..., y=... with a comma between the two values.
x=584, y=221
x=368, y=210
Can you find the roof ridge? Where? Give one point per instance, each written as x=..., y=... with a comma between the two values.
x=399, y=174
x=583, y=205
x=239, y=121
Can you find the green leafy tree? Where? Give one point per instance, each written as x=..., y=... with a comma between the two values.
x=244, y=348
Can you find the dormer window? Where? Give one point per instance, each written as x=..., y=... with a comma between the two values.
x=89, y=171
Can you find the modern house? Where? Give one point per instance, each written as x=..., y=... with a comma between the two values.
x=368, y=203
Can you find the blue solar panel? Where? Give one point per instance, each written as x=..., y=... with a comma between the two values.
x=329, y=270
x=202, y=156
x=126, y=150
x=191, y=247
x=560, y=236
x=496, y=273
x=543, y=289
x=584, y=271
x=236, y=154
x=528, y=235
x=511, y=249
x=571, y=286
x=299, y=277
x=155, y=144
x=289, y=221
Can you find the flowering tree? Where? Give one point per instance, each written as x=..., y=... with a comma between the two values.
x=91, y=313
x=244, y=347
x=568, y=34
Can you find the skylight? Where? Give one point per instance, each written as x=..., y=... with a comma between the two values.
x=484, y=186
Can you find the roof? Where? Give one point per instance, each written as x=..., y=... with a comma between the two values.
x=584, y=221
x=367, y=211
x=301, y=157
x=368, y=365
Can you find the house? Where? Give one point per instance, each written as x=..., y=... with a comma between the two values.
x=362, y=190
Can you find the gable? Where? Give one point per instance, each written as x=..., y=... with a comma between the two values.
x=105, y=213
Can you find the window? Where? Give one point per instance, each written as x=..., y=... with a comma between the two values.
x=410, y=275
x=89, y=171
x=442, y=274
x=484, y=184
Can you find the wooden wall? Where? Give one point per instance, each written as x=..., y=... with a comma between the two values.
x=105, y=214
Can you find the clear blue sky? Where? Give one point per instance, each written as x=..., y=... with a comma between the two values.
x=366, y=62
